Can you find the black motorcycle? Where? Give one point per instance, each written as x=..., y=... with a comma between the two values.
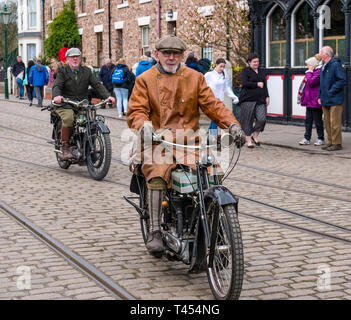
x=90, y=142
x=199, y=221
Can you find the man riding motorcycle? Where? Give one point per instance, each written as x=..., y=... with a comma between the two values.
x=168, y=96
x=72, y=82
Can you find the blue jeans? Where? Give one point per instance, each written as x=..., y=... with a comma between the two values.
x=20, y=87
x=122, y=98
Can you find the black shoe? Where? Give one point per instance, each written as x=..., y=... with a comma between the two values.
x=257, y=143
x=30, y=104
x=154, y=243
x=251, y=146
x=103, y=107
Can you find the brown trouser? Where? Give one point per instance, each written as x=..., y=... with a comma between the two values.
x=332, y=123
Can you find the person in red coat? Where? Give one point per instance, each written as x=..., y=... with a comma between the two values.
x=62, y=53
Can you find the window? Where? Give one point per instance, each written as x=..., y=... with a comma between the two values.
x=51, y=10
x=31, y=51
x=303, y=34
x=277, y=40
x=83, y=5
x=32, y=13
x=99, y=46
x=145, y=38
x=100, y=4
x=335, y=36
x=207, y=52
x=172, y=27
x=119, y=44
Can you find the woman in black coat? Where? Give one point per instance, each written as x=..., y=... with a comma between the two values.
x=254, y=99
x=29, y=88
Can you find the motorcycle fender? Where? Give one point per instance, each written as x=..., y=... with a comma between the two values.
x=198, y=259
x=103, y=127
x=221, y=196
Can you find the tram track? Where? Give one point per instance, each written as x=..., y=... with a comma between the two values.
x=75, y=260
x=274, y=221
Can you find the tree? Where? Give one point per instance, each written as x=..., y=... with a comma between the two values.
x=62, y=29
x=226, y=27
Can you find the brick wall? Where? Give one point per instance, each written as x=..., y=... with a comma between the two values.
x=126, y=41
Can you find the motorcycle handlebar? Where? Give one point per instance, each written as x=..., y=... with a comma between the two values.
x=78, y=104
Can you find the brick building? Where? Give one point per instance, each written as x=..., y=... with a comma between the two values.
x=126, y=28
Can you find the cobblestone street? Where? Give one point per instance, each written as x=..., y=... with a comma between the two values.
x=93, y=220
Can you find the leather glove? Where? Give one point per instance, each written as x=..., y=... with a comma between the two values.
x=146, y=132
x=239, y=135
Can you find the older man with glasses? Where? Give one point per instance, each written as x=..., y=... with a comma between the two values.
x=72, y=82
x=170, y=96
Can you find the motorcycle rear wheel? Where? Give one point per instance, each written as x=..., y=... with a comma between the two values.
x=64, y=164
x=99, y=161
x=227, y=273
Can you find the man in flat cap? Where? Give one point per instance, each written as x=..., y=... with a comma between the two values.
x=168, y=96
x=72, y=82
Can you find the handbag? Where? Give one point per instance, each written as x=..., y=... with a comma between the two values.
x=25, y=80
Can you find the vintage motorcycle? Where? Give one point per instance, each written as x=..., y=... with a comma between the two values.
x=90, y=142
x=199, y=220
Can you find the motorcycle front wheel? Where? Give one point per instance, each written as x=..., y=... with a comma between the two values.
x=64, y=164
x=226, y=275
x=143, y=203
x=99, y=159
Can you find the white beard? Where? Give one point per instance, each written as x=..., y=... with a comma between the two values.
x=171, y=68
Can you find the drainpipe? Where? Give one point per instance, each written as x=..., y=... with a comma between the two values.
x=159, y=19
x=43, y=11
x=109, y=28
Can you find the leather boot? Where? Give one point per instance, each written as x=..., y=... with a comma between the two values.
x=65, y=136
x=154, y=242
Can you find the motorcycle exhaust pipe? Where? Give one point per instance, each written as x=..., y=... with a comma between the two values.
x=58, y=151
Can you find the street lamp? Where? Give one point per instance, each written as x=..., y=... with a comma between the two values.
x=5, y=18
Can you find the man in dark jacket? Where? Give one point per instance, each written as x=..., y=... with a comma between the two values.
x=331, y=97
x=72, y=82
x=105, y=75
x=38, y=78
x=17, y=68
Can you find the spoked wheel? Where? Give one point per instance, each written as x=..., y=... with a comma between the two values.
x=143, y=203
x=98, y=161
x=64, y=164
x=227, y=272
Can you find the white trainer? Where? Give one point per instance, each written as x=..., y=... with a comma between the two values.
x=304, y=141
x=120, y=115
x=319, y=142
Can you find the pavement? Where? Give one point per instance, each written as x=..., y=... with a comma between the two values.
x=279, y=135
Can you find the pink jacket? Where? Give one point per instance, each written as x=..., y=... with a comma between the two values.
x=310, y=93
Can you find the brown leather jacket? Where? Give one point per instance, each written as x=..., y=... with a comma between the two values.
x=173, y=101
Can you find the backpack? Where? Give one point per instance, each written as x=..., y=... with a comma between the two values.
x=118, y=76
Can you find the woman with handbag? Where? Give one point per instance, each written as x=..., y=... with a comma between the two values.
x=29, y=88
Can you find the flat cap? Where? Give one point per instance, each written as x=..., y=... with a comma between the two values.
x=170, y=43
x=73, y=52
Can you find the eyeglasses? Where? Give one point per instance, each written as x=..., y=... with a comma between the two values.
x=168, y=53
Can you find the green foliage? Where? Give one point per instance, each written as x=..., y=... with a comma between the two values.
x=62, y=29
x=237, y=76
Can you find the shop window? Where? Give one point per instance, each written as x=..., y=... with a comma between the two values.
x=303, y=34
x=277, y=41
x=335, y=36
x=100, y=4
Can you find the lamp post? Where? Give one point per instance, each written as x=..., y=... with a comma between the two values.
x=5, y=17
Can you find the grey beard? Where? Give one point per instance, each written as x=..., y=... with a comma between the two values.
x=162, y=70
